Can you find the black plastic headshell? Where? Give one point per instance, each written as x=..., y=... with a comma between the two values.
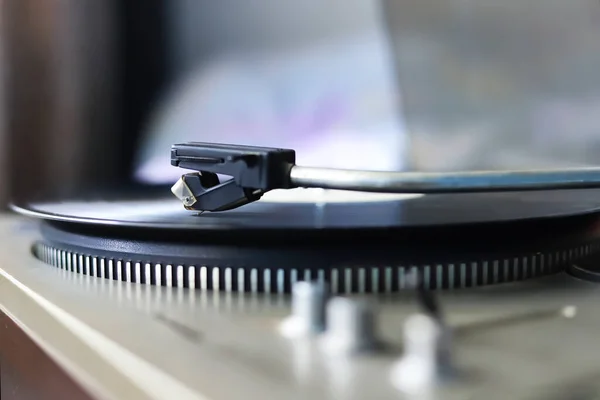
x=254, y=171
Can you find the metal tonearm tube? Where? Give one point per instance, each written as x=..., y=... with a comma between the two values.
x=256, y=170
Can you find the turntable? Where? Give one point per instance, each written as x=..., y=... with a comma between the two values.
x=418, y=286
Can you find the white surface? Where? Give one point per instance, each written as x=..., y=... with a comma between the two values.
x=122, y=340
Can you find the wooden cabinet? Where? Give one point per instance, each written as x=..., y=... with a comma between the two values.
x=27, y=373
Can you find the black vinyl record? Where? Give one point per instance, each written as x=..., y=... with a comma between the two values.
x=355, y=241
x=309, y=209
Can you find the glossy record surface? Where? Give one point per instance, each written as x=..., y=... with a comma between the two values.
x=318, y=209
x=452, y=240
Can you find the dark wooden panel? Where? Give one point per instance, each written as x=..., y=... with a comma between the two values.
x=26, y=372
x=60, y=95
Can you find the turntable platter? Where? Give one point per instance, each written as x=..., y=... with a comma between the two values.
x=361, y=244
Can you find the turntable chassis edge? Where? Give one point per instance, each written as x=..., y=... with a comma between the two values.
x=143, y=341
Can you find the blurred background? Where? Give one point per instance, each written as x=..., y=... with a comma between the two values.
x=94, y=92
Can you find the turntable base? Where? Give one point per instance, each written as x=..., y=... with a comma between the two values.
x=143, y=341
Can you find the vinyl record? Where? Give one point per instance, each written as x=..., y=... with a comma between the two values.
x=322, y=209
x=355, y=242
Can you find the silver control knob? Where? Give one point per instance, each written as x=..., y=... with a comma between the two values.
x=308, y=310
x=426, y=359
x=350, y=327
